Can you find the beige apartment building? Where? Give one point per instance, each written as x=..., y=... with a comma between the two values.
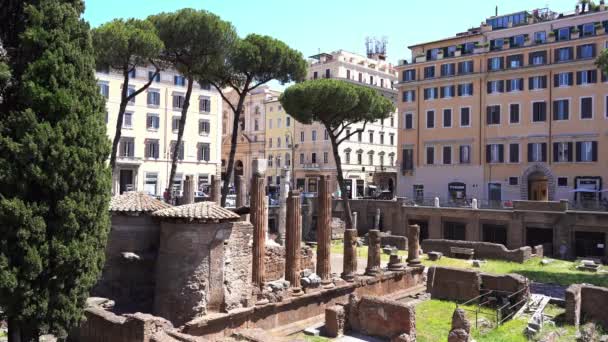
x=368, y=158
x=251, y=139
x=280, y=128
x=512, y=109
x=149, y=131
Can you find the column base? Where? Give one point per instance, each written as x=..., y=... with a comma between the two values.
x=296, y=291
x=372, y=272
x=414, y=262
x=327, y=284
x=396, y=267
x=349, y=277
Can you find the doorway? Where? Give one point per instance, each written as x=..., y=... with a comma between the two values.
x=538, y=189
x=540, y=236
x=454, y=230
x=126, y=181
x=495, y=233
x=424, y=228
x=589, y=244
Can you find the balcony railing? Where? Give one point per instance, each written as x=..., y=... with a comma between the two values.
x=386, y=168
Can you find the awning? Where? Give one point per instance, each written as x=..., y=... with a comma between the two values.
x=372, y=186
x=584, y=190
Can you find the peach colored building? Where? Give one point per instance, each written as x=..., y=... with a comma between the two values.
x=369, y=158
x=512, y=109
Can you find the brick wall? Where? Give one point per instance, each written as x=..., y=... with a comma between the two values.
x=381, y=317
x=588, y=303
x=484, y=250
x=237, y=266
x=453, y=283
x=274, y=261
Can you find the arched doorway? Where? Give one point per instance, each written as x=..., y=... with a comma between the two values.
x=538, y=187
x=238, y=168
x=391, y=185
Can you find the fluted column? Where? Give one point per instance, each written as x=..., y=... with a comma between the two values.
x=258, y=220
x=216, y=191
x=283, y=193
x=188, y=191
x=324, y=232
x=241, y=192
x=293, y=241
x=373, y=253
x=413, y=245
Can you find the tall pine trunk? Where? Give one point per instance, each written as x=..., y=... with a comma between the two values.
x=344, y=194
x=180, y=135
x=121, y=113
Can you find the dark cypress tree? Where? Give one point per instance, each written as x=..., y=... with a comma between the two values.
x=54, y=181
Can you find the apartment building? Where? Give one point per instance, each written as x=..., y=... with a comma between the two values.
x=512, y=109
x=149, y=131
x=368, y=158
x=251, y=136
x=279, y=142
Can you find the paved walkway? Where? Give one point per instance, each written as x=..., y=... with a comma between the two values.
x=550, y=290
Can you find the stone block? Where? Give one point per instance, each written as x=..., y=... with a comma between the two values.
x=384, y=317
x=453, y=283
x=335, y=321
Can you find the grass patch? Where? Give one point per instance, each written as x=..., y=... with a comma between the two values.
x=557, y=272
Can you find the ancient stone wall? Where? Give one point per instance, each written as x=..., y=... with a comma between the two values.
x=381, y=317
x=237, y=266
x=483, y=250
x=128, y=275
x=588, y=303
x=275, y=261
x=400, y=242
x=453, y=283
x=506, y=284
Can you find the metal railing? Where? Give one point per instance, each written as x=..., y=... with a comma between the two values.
x=501, y=313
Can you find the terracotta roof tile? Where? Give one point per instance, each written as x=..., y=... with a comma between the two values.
x=199, y=211
x=133, y=201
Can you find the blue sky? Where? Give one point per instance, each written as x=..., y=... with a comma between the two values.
x=327, y=25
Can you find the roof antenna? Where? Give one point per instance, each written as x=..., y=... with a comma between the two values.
x=496, y=11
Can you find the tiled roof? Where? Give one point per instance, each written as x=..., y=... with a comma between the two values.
x=198, y=211
x=133, y=201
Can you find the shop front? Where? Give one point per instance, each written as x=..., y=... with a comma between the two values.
x=457, y=191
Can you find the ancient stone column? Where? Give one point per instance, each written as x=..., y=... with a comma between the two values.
x=241, y=192
x=293, y=241
x=350, y=255
x=188, y=193
x=258, y=220
x=413, y=245
x=377, y=219
x=216, y=191
x=354, y=216
x=373, y=253
x=283, y=193
x=324, y=232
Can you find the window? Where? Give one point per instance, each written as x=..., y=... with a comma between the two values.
x=495, y=153
x=204, y=127
x=430, y=93
x=360, y=136
x=537, y=82
x=131, y=91
x=516, y=84
x=537, y=58
x=430, y=155
x=347, y=157
x=392, y=139
x=270, y=142
x=409, y=75
x=315, y=75
x=586, y=77
x=408, y=159
x=513, y=181
x=562, y=152
x=327, y=73
x=563, y=79
x=495, y=63
x=465, y=117
x=347, y=134
x=152, y=122
x=302, y=158
x=514, y=153
x=562, y=181
x=588, y=30
x=448, y=69
x=278, y=141
x=586, y=151
x=418, y=192
x=465, y=154
x=269, y=123
x=126, y=147
x=127, y=120
x=537, y=152
x=381, y=159
x=540, y=37
x=446, y=91
x=493, y=115
x=302, y=136
x=563, y=33
x=430, y=119
x=104, y=89
x=325, y=157
x=314, y=135
x=495, y=87
x=151, y=183
x=205, y=86
x=465, y=67
x=381, y=138
x=585, y=51
x=154, y=76
x=153, y=98
x=429, y=72
x=515, y=61
x=465, y=89
x=204, y=104
x=514, y=113
x=371, y=136
x=447, y=155
x=178, y=101
x=179, y=80
x=561, y=109
x=517, y=41
x=287, y=159
x=326, y=135
x=152, y=148
x=586, y=108
x=175, y=124
x=204, y=152
x=447, y=118
x=539, y=111
x=313, y=157
x=270, y=160
x=287, y=121
x=563, y=54
x=409, y=96
x=370, y=157
x=359, y=158
x=256, y=125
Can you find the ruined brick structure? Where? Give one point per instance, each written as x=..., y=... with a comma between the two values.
x=586, y=302
x=274, y=261
x=483, y=250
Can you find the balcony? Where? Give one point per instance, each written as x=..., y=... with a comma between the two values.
x=386, y=168
x=128, y=160
x=310, y=166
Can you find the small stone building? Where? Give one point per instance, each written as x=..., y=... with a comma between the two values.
x=204, y=262
x=129, y=272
